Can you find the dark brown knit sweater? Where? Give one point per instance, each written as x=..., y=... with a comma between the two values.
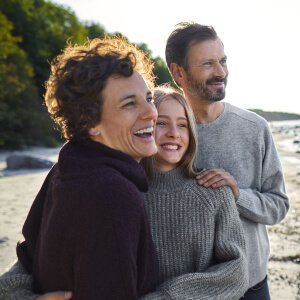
x=87, y=230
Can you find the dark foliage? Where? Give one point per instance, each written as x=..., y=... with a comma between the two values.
x=32, y=33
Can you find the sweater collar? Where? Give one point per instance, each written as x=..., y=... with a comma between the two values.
x=82, y=160
x=168, y=181
x=219, y=119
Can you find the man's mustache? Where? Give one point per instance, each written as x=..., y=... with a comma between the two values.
x=216, y=80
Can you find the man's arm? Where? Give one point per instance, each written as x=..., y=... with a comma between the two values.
x=267, y=205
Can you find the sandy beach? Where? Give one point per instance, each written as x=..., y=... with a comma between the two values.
x=18, y=189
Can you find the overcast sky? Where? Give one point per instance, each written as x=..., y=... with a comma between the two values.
x=261, y=38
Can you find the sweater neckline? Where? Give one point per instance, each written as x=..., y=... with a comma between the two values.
x=78, y=160
x=168, y=181
x=219, y=119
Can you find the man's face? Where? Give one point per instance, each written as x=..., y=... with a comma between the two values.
x=206, y=75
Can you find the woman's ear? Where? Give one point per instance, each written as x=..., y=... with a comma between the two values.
x=94, y=131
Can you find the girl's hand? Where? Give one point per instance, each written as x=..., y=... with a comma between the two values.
x=56, y=296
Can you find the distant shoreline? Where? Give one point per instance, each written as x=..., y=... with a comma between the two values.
x=272, y=116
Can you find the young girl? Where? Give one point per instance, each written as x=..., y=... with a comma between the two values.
x=196, y=230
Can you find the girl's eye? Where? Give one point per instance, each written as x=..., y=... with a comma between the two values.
x=160, y=123
x=150, y=100
x=182, y=125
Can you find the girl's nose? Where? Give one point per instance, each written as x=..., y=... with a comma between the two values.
x=173, y=132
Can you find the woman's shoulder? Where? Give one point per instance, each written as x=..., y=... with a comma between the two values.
x=100, y=188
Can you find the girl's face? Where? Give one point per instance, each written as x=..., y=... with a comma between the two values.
x=171, y=135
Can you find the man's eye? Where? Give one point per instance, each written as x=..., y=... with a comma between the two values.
x=223, y=62
x=208, y=63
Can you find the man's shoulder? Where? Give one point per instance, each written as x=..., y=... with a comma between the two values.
x=245, y=114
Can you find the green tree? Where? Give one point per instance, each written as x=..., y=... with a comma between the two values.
x=20, y=107
x=162, y=72
x=44, y=27
x=94, y=30
x=32, y=33
x=160, y=67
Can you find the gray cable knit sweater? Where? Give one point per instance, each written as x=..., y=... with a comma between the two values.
x=199, y=239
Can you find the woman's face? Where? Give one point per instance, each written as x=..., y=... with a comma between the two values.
x=171, y=135
x=128, y=117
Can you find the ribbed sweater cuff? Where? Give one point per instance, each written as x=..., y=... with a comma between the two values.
x=16, y=287
x=244, y=200
x=16, y=284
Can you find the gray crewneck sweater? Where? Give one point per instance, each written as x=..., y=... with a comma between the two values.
x=199, y=239
x=240, y=142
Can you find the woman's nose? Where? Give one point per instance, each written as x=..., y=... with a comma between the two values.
x=150, y=112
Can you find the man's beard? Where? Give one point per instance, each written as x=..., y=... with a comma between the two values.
x=200, y=89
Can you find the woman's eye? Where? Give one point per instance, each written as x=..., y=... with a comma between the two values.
x=128, y=104
x=160, y=123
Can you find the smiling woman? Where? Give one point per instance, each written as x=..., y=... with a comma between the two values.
x=87, y=230
x=133, y=113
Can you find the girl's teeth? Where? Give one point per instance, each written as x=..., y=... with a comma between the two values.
x=171, y=147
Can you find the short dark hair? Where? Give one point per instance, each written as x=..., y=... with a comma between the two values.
x=185, y=35
x=78, y=76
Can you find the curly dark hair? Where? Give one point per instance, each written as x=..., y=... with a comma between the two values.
x=78, y=76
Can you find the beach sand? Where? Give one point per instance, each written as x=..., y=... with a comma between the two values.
x=18, y=189
x=284, y=265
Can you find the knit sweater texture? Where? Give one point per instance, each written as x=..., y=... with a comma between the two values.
x=240, y=142
x=198, y=237
x=87, y=230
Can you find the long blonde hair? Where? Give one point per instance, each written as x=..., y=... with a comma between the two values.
x=161, y=94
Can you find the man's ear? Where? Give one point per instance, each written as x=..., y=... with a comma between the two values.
x=176, y=72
